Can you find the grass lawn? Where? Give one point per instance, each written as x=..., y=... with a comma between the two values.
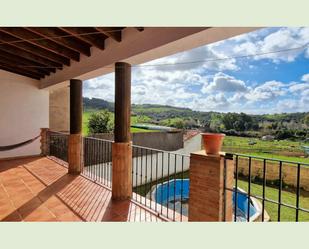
x=287, y=214
x=280, y=157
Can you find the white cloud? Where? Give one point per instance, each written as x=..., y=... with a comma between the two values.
x=298, y=87
x=284, y=38
x=101, y=87
x=202, y=57
x=224, y=83
x=305, y=77
x=266, y=91
x=217, y=102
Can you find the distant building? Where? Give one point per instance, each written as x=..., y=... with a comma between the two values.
x=268, y=138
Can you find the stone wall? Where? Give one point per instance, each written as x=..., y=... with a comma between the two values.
x=59, y=109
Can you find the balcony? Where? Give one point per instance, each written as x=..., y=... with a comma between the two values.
x=88, y=179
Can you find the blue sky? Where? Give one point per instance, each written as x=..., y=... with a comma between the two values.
x=269, y=83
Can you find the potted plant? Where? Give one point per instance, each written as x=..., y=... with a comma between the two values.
x=212, y=142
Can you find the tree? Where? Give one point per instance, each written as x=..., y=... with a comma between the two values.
x=100, y=122
x=306, y=120
x=238, y=122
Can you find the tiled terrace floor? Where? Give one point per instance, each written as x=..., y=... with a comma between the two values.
x=39, y=189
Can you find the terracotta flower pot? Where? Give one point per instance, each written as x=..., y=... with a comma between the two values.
x=212, y=142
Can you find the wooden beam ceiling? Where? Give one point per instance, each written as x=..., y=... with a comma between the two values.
x=87, y=34
x=62, y=38
x=11, y=41
x=20, y=62
x=114, y=33
x=37, y=52
x=30, y=56
x=19, y=71
x=33, y=38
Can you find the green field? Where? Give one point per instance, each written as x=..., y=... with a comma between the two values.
x=262, y=146
x=282, y=149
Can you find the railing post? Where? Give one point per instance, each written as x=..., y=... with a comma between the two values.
x=45, y=139
x=122, y=147
x=210, y=176
x=75, y=143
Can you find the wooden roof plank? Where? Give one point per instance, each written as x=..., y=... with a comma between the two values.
x=30, y=56
x=35, y=39
x=18, y=71
x=20, y=62
x=114, y=33
x=11, y=41
x=87, y=34
x=60, y=37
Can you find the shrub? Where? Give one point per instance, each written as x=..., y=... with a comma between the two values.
x=100, y=122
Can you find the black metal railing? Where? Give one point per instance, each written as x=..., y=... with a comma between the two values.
x=98, y=160
x=267, y=189
x=160, y=181
x=58, y=145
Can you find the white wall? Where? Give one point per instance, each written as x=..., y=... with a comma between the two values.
x=23, y=111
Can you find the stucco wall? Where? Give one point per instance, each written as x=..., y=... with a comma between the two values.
x=168, y=141
x=23, y=111
x=59, y=112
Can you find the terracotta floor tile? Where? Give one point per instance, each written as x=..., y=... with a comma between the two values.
x=15, y=216
x=68, y=217
x=39, y=189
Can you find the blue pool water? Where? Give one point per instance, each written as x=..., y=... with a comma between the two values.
x=176, y=193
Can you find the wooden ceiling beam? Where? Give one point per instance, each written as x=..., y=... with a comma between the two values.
x=11, y=40
x=114, y=33
x=35, y=39
x=23, y=68
x=33, y=57
x=58, y=36
x=19, y=71
x=16, y=60
x=87, y=34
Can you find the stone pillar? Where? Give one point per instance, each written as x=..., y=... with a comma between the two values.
x=45, y=141
x=75, y=150
x=207, y=199
x=122, y=147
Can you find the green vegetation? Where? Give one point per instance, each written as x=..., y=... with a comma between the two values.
x=283, y=158
x=140, y=119
x=278, y=149
x=101, y=122
x=134, y=119
x=258, y=145
x=306, y=120
x=287, y=197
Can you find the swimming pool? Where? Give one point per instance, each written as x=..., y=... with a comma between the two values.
x=174, y=194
